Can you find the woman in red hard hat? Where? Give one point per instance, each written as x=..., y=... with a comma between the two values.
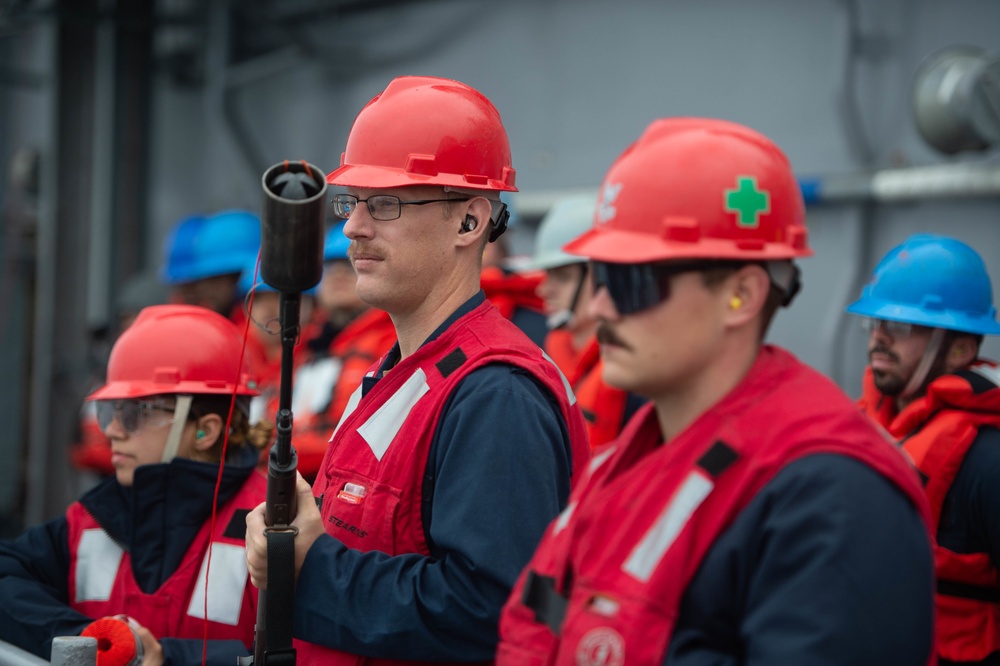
x=137, y=544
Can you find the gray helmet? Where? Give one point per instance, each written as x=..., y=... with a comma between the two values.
x=569, y=218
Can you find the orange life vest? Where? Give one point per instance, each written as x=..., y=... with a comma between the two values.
x=936, y=431
x=359, y=344
x=603, y=406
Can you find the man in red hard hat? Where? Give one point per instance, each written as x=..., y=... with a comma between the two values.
x=458, y=447
x=749, y=513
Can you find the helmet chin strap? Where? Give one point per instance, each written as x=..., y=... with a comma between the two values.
x=173, y=444
x=785, y=275
x=926, y=361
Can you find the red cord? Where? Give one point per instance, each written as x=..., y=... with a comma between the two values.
x=222, y=461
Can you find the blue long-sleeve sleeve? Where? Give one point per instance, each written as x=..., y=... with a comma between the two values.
x=34, y=574
x=828, y=565
x=34, y=568
x=499, y=472
x=187, y=652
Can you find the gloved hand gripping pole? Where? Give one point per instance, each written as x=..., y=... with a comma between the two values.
x=291, y=261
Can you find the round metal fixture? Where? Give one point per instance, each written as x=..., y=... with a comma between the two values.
x=956, y=99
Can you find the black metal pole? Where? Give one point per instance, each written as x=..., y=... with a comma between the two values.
x=291, y=261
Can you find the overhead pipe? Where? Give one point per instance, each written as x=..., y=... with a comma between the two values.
x=943, y=181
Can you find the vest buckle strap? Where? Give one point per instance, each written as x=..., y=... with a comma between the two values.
x=451, y=362
x=718, y=458
x=541, y=596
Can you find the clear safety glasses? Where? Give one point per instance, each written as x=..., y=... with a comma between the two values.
x=637, y=287
x=383, y=207
x=894, y=329
x=134, y=414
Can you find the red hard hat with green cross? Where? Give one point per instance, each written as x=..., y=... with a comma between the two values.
x=697, y=188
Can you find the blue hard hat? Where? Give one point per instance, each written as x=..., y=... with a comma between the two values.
x=201, y=247
x=336, y=243
x=247, y=281
x=933, y=281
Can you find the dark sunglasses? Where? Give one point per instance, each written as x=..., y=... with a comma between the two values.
x=637, y=287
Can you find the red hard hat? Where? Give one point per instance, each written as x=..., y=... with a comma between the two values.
x=695, y=188
x=427, y=131
x=177, y=349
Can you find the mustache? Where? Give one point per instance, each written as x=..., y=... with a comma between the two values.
x=607, y=336
x=882, y=349
x=364, y=250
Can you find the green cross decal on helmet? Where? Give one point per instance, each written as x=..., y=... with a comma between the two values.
x=660, y=201
x=748, y=201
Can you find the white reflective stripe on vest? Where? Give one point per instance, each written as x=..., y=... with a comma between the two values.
x=226, y=583
x=563, y=519
x=382, y=427
x=643, y=560
x=97, y=562
x=352, y=404
x=602, y=457
x=565, y=382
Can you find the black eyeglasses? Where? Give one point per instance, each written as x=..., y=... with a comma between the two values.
x=134, y=415
x=637, y=287
x=382, y=207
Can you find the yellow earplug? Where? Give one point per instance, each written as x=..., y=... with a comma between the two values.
x=735, y=302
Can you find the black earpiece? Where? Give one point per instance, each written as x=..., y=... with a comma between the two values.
x=469, y=224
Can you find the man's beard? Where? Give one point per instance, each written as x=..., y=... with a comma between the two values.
x=892, y=385
x=889, y=384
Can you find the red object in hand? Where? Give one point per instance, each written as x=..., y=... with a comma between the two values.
x=117, y=644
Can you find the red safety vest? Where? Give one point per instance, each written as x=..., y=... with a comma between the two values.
x=936, y=431
x=603, y=406
x=371, y=480
x=101, y=581
x=606, y=583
